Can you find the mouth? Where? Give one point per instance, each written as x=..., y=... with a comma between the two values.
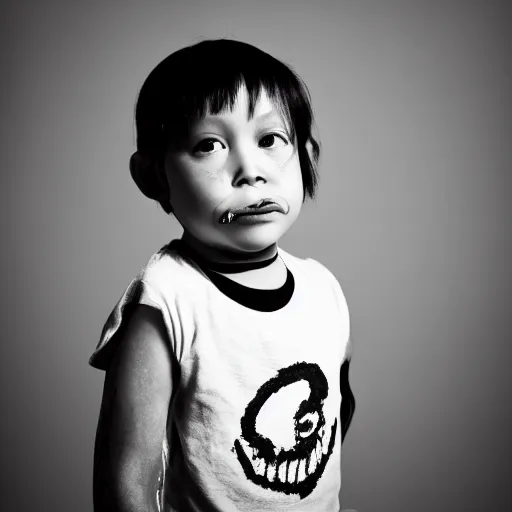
x=288, y=471
x=262, y=207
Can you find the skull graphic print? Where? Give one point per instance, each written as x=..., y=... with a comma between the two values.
x=292, y=467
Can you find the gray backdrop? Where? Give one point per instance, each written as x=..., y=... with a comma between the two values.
x=413, y=107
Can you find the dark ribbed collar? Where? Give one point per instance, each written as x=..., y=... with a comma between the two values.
x=225, y=268
x=253, y=298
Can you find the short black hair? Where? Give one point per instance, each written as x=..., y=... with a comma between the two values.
x=206, y=78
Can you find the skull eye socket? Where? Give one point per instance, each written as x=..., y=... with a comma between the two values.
x=307, y=424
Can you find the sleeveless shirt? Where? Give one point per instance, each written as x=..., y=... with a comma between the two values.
x=261, y=400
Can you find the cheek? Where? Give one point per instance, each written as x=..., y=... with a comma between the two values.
x=293, y=172
x=191, y=193
x=294, y=186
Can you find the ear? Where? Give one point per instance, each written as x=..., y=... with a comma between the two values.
x=313, y=149
x=142, y=169
x=309, y=149
x=149, y=175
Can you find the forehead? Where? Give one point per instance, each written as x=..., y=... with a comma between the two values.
x=265, y=109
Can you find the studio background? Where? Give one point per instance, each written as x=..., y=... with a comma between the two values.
x=413, y=108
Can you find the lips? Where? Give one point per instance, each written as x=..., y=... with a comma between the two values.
x=263, y=206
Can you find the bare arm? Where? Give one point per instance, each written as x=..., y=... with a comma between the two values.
x=133, y=417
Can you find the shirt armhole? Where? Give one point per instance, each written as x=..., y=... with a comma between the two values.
x=138, y=292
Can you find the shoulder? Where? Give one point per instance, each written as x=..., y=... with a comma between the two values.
x=168, y=271
x=163, y=263
x=321, y=279
x=312, y=268
x=341, y=302
x=162, y=286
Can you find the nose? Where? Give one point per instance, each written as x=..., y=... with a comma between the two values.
x=249, y=167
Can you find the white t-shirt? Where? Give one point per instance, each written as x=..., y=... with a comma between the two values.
x=255, y=423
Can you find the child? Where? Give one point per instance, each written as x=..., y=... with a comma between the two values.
x=226, y=358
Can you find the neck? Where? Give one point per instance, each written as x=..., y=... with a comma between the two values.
x=227, y=256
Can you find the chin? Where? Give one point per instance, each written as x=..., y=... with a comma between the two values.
x=255, y=240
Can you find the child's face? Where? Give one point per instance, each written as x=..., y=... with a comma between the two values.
x=229, y=163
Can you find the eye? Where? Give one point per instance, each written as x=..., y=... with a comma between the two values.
x=307, y=424
x=272, y=140
x=208, y=146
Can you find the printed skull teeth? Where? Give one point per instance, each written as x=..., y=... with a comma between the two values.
x=302, y=470
x=293, y=471
x=297, y=468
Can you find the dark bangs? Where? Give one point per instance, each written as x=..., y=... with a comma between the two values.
x=206, y=78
